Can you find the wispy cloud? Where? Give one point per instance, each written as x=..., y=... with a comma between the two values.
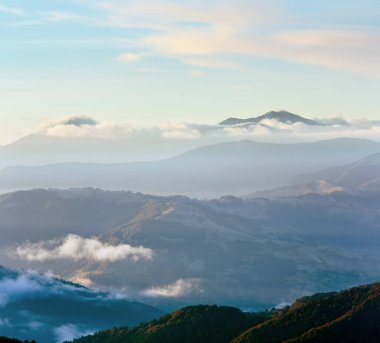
x=204, y=34
x=217, y=33
x=77, y=248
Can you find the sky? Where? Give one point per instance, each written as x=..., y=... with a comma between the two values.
x=148, y=62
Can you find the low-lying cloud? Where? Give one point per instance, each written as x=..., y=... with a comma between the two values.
x=23, y=285
x=180, y=288
x=269, y=130
x=69, y=332
x=77, y=248
x=47, y=309
x=28, y=284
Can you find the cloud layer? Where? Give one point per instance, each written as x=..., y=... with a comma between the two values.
x=77, y=248
x=267, y=130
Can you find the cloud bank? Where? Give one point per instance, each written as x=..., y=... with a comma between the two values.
x=77, y=248
x=180, y=288
x=266, y=130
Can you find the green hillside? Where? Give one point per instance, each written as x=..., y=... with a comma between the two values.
x=350, y=316
x=201, y=323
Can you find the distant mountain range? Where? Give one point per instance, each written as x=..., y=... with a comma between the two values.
x=50, y=310
x=363, y=175
x=37, y=149
x=249, y=253
x=82, y=139
x=233, y=168
x=280, y=116
x=350, y=316
x=360, y=176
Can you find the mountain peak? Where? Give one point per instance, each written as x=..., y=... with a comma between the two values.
x=281, y=116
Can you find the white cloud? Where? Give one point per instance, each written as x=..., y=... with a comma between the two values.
x=180, y=288
x=179, y=131
x=77, y=248
x=78, y=121
x=83, y=126
x=82, y=280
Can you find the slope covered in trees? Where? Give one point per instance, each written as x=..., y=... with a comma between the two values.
x=350, y=316
x=201, y=323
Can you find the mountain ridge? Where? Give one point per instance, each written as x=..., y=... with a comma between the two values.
x=202, y=172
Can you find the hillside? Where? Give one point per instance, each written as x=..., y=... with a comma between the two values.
x=249, y=253
x=363, y=175
x=351, y=316
x=319, y=187
x=193, y=324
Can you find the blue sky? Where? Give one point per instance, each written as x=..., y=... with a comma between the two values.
x=148, y=62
